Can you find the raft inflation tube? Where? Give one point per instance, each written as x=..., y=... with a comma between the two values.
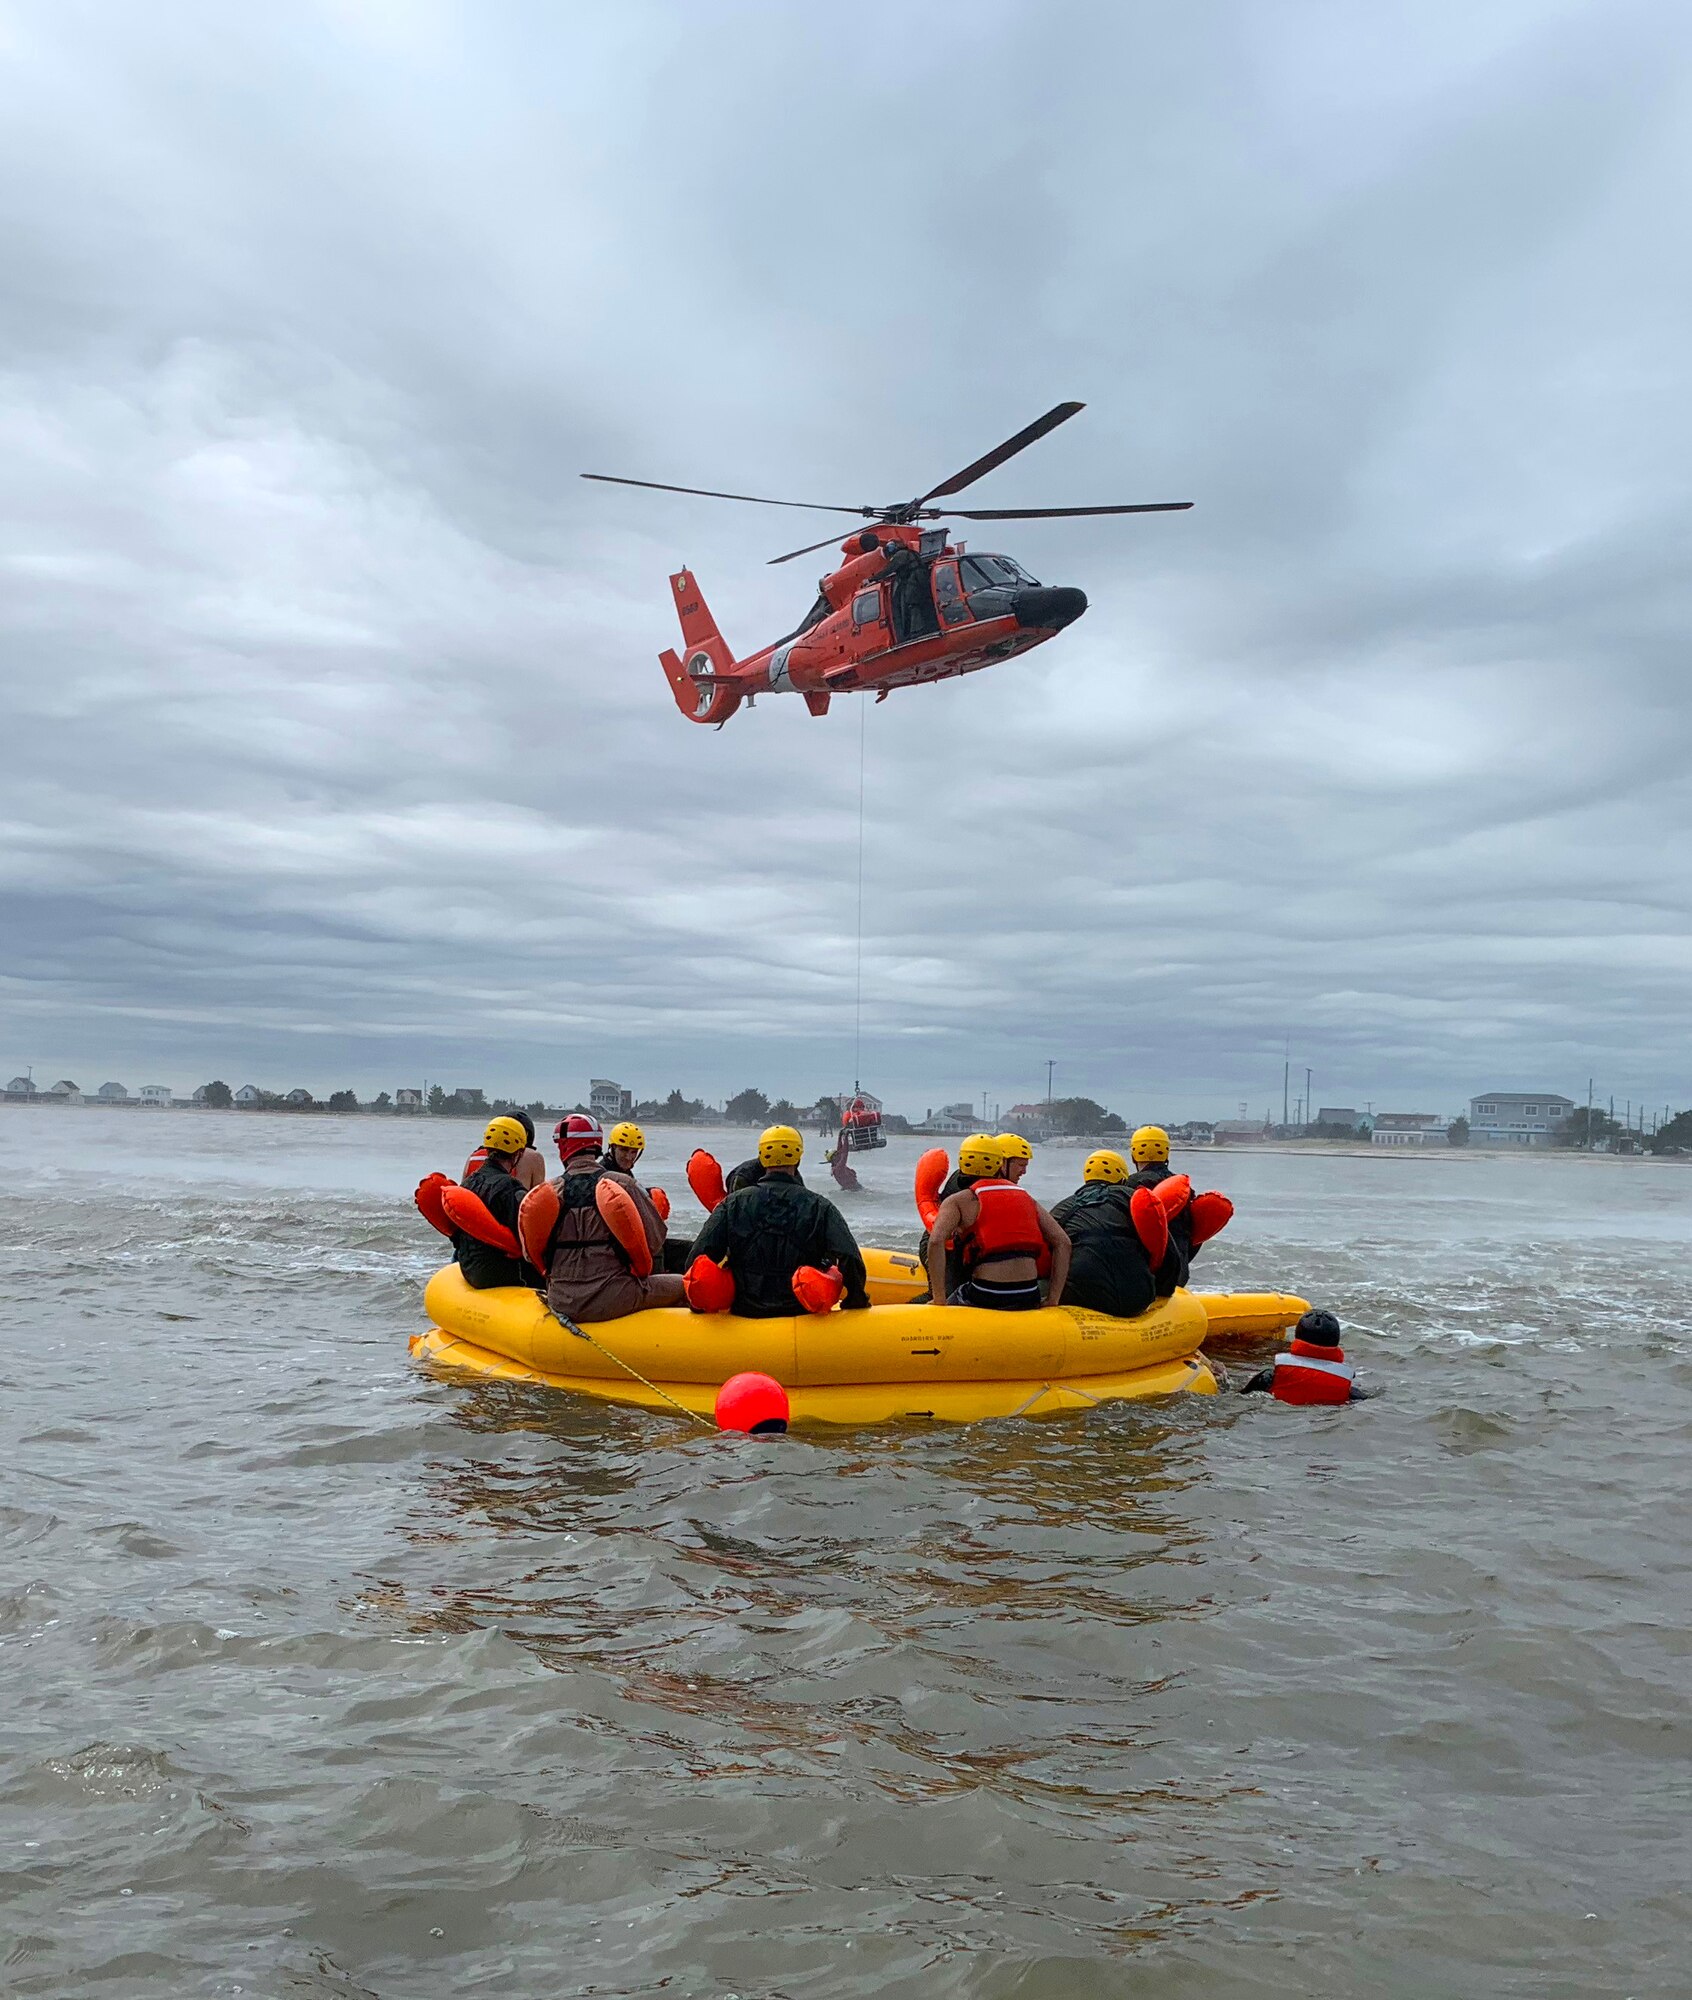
x=895, y=1277
x=956, y=1364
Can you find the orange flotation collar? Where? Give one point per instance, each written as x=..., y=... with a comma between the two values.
x=428, y=1200
x=1151, y=1224
x=660, y=1201
x=931, y=1172
x=537, y=1218
x=620, y=1213
x=1211, y=1214
x=818, y=1291
x=708, y=1286
x=705, y=1177
x=1174, y=1194
x=470, y=1213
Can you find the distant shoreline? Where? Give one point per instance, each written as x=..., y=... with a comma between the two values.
x=1069, y=1142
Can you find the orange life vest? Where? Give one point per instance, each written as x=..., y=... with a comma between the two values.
x=1309, y=1373
x=1007, y=1226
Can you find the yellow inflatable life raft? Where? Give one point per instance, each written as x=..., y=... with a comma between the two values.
x=896, y=1277
x=954, y=1363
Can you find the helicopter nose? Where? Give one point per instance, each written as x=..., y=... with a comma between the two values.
x=1050, y=609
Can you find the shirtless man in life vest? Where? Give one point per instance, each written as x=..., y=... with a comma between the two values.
x=1002, y=1235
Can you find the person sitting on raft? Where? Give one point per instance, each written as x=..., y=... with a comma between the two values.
x=751, y=1173
x=980, y=1158
x=1109, y=1268
x=1001, y=1234
x=1313, y=1370
x=765, y=1234
x=495, y=1183
x=624, y=1144
x=1016, y=1153
x=529, y=1169
x=1189, y=1228
x=595, y=1233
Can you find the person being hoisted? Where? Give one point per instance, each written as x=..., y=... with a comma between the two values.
x=775, y=1245
x=1192, y=1218
x=1117, y=1239
x=1000, y=1234
x=594, y=1233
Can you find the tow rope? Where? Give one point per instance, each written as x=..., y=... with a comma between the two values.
x=581, y=1333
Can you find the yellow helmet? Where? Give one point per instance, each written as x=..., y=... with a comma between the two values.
x=780, y=1146
x=505, y=1135
x=1149, y=1144
x=1013, y=1146
x=627, y=1135
x=980, y=1154
x=1105, y=1165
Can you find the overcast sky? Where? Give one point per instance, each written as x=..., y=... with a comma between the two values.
x=335, y=746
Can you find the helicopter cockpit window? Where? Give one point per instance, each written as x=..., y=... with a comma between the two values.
x=866, y=607
x=993, y=573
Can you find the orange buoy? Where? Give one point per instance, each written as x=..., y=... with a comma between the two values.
x=1212, y=1212
x=536, y=1220
x=470, y=1213
x=660, y=1201
x=428, y=1200
x=705, y=1178
x=619, y=1213
x=753, y=1403
x=1151, y=1225
x=931, y=1172
x=818, y=1291
x=709, y=1286
x=1174, y=1193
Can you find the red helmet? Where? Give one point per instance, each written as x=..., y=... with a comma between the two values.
x=578, y=1134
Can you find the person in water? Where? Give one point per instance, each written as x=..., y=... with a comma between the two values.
x=529, y=1170
x=764, y=1233
x=1313, y=1370
x=1001, y=1235
x=588, y=1272
x=1016, y=1153
x=494, y=1182
x=1109, y=1271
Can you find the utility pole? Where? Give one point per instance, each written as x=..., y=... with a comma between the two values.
x=1051, y=1064
x=1286, y=1069
x=1589, y=1114
x=1309, y=1101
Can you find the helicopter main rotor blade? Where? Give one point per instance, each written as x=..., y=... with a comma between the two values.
x=1009, y=449
x=711, y=493
x=810, y=548
x=1062, y=513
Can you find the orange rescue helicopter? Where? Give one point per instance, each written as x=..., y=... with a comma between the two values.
x=906, y=604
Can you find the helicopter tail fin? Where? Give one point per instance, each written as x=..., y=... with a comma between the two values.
x=699, y=681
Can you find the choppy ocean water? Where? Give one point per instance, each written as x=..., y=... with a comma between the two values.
x=319, y=1676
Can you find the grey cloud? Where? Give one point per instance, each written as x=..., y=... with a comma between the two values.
x=336, y=745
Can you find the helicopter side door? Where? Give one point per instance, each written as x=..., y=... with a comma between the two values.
x=949, y=599
x=871, y=632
